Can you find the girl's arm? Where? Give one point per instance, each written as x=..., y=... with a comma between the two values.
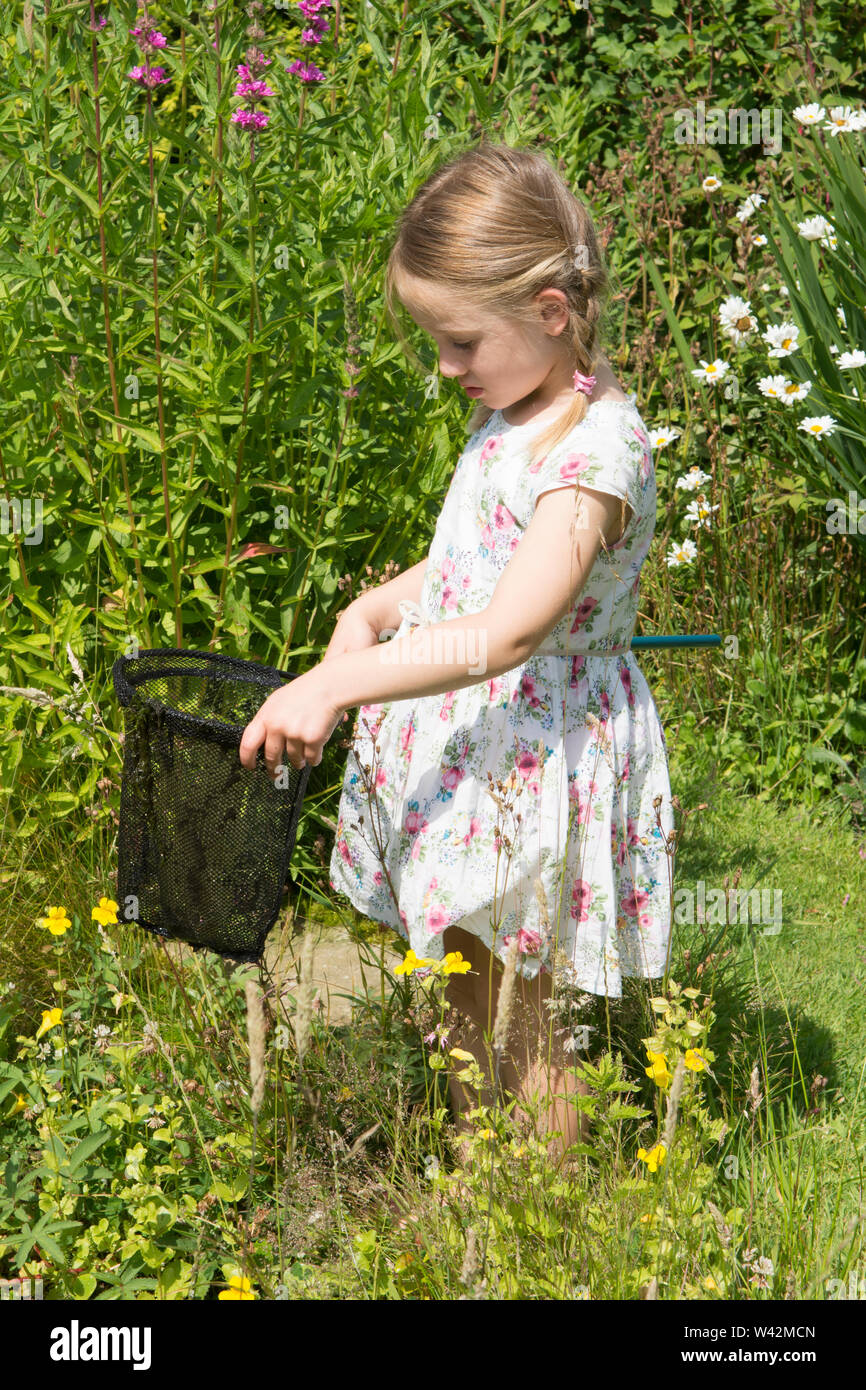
x=378, y=605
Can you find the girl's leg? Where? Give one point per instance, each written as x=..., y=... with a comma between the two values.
x=534, y=1067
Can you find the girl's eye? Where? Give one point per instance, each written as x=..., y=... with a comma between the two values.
x=464, y=347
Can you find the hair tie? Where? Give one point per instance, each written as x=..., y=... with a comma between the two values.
x=584, y=383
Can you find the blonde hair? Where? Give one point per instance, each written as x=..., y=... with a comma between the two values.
x=499, y=224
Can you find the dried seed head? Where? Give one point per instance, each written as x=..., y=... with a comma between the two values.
x=256, y=1035
x=469, y=1270
x=505, y=1002
x=755, y=1095
x=304, y=1013
x=673, y=1104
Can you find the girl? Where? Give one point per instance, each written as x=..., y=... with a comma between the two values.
x=511, y=671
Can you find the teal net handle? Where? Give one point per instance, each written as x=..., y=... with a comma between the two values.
x=687, y=640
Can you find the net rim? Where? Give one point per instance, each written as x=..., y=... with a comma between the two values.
x=129, y=694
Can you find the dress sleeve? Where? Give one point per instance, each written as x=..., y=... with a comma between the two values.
x=609, y=457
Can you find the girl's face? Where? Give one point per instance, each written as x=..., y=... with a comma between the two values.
x=507, y=363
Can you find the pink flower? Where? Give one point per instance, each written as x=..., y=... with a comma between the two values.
x=502, y=516
x=344, y=851
x=307, y=72
x=632, y=903
x=489, y=449
x=474, y=829
x=573, y=465
x=148, y=77
x=581, y=894
x=466, y=581
x=646, y=919
x=486, y=535
x=437, y=920
x=407, y=735
x=414, y=822
x=633, y=837
x=626, y=769
x=377, y=877
x=452, y=777
x=584, y=608
x=605, y=705
x=494, y=688
x=577, y=663
x=381, y=777
x=527, y=763
x=527, y=690
x=625, y=677
x=528, y=941
x=446, y=704
x=447, y=566
x=449, y=598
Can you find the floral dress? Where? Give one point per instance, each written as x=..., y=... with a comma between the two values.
x=584, y=878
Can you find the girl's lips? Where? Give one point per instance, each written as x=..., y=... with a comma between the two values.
x=473, y=390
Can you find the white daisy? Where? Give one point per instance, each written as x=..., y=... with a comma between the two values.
x=782, y=338
x=695, y=478
x=753, y=202
x=781, y=389
x=711, y=371
x=737, y=320
x=840, y=120
x=759, y=240
x=711, y=184
x=818, y=425
x=833, y=349
x=809, y=115
x=665, y=434
x=700, y=512
x=858, y=120
x=857, y=358
x=681, y=553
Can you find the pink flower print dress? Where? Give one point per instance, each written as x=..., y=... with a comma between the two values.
x=418, y=840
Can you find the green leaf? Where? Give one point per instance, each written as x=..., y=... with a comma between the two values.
x=87, y=1147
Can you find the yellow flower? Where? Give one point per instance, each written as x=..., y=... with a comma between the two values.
x=50, y=1019
x=655, y=1156
x=694, y=1059
x=454, y=964
x=345, y=1093
x=485, y=1134
x=648, y=1216
x=412, y=962
x=20, y=1104
x=106, y=913
x=56, y=921
x=710, y=1283
x=658, y=1069
x=403, y=1260
x=461, y=1054
x=239, y=1288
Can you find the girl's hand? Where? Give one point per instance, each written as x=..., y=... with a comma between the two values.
x=299, y=717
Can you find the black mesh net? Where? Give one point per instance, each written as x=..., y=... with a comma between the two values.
x=203, y=844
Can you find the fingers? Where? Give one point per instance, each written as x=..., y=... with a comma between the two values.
x=250, y=742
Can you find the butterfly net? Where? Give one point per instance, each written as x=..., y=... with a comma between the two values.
x=203, y=844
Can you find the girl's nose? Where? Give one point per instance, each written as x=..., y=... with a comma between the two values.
x=447, y=368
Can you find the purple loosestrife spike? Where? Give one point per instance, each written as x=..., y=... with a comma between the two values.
x=148, y=77
x=307, y=72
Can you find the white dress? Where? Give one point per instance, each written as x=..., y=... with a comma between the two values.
x=417, y=845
